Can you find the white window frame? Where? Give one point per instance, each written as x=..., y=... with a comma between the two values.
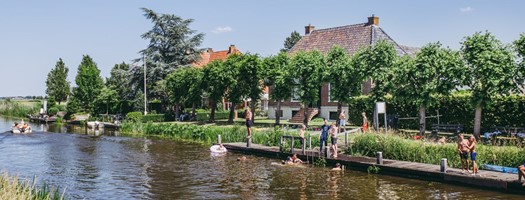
x=330, y=96
x=295, y=95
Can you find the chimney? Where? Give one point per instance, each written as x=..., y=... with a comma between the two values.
x=232, y=49
x=308, y=29
x=210, y=50
x=373, y=20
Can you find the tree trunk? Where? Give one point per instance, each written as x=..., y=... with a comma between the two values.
x=193, y=114
x=305, y=121
x=232, y=113
x=212, y=114
x=422, y=119
x=278, y=113
x=477, y=121
x=177, y=112
x=339, y=110
x=252, y=107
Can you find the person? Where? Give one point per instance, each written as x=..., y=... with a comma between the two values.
x=473, y=154
x=15, y=126
x=295, y=159
x=338, y=167
x=41, y=113
x=301, y=134
x=442, y=140
x=521, y=173
x=22, y=123
x=463, y=153
x=342, y=120
x=243, y=158
x=333, y=135
x=323, y=137
x=221, y=148
x=365, y=122
x=25, y=128
x=248, y=117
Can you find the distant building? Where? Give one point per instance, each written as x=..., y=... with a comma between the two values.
x=351, y=38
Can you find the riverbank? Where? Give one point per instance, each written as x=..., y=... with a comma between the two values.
x=11, y=187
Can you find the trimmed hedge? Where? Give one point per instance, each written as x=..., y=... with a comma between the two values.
x=454, y=109
x=153, y=118
x=134, y=116
x=205, y=115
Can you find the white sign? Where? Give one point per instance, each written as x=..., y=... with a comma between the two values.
x=381, y=107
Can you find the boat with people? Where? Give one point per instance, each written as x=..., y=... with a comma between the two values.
x=21, y=127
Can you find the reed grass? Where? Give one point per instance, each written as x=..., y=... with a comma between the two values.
x=16, y=109
x=11, y=187
x=399, y=148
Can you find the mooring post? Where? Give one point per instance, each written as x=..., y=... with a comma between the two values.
x=219, y=139
x=379, y=158
x=291, y=148
x=346, y=138
x=309, y=142
x=304, y=146
x=443, y=165
x=281, y=144
x=248, y=142
x=327, y=154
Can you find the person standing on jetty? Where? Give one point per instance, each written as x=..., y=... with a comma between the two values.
x=463, y=150
x=365, y=122
x=521, y=173
x=323, y=137
x=248, y=116
x=302, y=128
x=333, y=134
x=472, y=148
x=342, y=121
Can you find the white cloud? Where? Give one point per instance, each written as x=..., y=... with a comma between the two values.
x=221, y=29
x=466, y=9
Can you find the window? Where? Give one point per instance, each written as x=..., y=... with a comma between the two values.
x=329, y=95
x=295, y=94
x=333, y=116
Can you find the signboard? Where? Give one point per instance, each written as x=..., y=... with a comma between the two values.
x=381, y=107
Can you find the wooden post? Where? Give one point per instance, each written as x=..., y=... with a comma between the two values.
x=379, y=158
x=346, y=138
x=443, y=168
x=309, y=142
x=219, y=139
x=281, y=144
x=291, y=148
x=304, y=146
x=248, y=142
x=327, y=154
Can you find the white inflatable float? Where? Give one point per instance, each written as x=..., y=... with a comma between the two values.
x=218, y=149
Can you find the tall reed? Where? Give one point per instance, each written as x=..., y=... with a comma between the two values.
x=16, y=109
x=14, y=188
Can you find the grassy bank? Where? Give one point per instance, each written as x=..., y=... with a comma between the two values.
x=207, y=134
x=13, y=188
x=398, y=148
x=17, y=109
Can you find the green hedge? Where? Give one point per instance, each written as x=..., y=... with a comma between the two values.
x=204, y=115
x=153, y=118
x=134, y=117
x=455, y=109
x=398, y=148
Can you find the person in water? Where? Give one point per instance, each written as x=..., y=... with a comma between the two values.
x=338, y=167
x=472, y=148
x=463, y=153
x=294, y=159
x=243, y=158
x=221, y=148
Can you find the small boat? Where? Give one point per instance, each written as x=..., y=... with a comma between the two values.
x=95, y=125
x=510, y=170
x=18, y=131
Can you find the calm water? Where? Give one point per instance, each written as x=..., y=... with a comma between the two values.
x=105, y=166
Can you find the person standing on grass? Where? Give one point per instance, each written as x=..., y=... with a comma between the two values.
x=333, y=135
x=472, y=148
x=302, y=128
x=323, y=137
x=342, y=120
x=365, y=122
x=248, y=116
x=463, y=150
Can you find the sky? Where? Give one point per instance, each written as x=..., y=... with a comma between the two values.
x=34, y=34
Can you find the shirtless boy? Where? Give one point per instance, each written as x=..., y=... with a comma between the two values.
x=463, y=153
x=472, y=148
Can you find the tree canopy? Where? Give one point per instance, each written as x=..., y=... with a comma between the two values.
x=290, y=41
x=277, y=76
x=343, y=75
x=89, y=83
x=57, y=85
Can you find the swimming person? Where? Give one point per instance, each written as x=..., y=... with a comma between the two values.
x=337, y=167
x=472, y=148
x=295, y=159
x=323, y=137
x=333, y=135
x=463, y=153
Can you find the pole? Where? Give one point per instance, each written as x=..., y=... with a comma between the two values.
x=145, y=92
x=438, y=116
x=386, y=125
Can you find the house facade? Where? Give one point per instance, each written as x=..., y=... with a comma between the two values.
x=351, y=38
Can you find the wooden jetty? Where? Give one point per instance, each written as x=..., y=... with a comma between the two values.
x=43, y=119
x=439, y=173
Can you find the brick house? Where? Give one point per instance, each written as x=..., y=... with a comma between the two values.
x=351, y=38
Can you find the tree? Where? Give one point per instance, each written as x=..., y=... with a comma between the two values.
x=107, y=100
x=344, y=77
x=307, y=69
x=216, y=84
x=235, y=91
x=278, y=77
x=57, y=84
x=89, y=83
x=184, y=86
x=119, y=81
x=251, y=75
x=434, y=72
x=519, y=73
x=490, y=65
x=172, y=45
x=289, y=42
x=376, y=61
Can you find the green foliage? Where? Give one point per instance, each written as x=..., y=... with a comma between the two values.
x=89, y=83
x=185, y=85
x=373, y=169
x=398, y=148
x=15, y=188
x=205, y=115
x=57, y=84
x=250, y=77
x=278, y=76
x=308, y=68
x=15, y=109
x=73, y=106
x=320, y=162
x=52, y=111
x=343, y=75
x=519, y=73
x=290, y=41
x=119, y=81
x=153, y=118
x=107, y=100
x=215, y=82
x=134, y=117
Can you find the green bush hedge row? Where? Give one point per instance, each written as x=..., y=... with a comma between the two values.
x=204, y=115
x=455, y=109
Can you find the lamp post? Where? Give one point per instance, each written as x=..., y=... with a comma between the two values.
x=145, y=93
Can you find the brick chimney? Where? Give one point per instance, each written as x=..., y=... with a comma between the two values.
x=373, y=20
x=308, y=29
x=232, y=49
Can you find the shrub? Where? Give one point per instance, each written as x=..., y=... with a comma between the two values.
x=134, y=117
x=52, y=111
x=205, y=115
x=153, y=118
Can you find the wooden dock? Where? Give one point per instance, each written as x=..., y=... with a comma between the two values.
x=485, y=179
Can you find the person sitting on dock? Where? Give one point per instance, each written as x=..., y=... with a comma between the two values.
x=463, y=153
x=323, y=137
x=521, y=173
x=472, y=148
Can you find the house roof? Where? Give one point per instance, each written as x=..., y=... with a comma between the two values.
x=350, y=37
x=210, y=55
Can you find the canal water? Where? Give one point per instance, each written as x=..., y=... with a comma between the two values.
x=98, y=165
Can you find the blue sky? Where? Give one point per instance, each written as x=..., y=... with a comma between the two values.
x=35, y=34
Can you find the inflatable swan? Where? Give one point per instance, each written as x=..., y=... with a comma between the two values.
x=218, y=149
